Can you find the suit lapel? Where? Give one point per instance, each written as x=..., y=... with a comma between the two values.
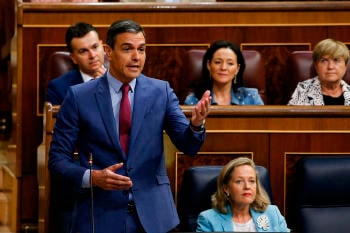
x=227, y=224
x=105, y=106
x=78, y=78
x=142, y=103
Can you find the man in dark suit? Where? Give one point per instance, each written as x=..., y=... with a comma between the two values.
x=130, y=187
x=87, y=53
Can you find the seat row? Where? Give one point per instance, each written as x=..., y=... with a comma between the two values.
x=299, y=68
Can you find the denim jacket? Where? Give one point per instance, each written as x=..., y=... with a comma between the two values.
x=243, y=96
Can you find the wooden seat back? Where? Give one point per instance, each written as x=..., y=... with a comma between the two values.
x=43, y=175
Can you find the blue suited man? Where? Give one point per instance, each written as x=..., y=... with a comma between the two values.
x=87, y=52
x=131, y=189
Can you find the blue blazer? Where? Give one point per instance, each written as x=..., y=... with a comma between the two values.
x=269, y=221
x=57, y=88
x=86, y=122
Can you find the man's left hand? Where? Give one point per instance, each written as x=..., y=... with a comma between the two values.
x=201, y=110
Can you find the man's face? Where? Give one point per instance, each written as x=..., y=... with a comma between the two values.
x=128, y=56
x=88, y=53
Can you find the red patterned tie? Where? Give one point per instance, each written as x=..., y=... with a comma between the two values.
x=124, y=118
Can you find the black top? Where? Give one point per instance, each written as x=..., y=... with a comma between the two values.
x=329, y=100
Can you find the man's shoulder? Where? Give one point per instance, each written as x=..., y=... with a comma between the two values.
x=144, y=80
x=69, y=78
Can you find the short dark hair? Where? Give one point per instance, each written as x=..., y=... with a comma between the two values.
x=77, y=30
x=122, y=26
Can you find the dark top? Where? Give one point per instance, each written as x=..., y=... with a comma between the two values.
x=329, y=100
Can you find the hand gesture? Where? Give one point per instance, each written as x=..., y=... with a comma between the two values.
x=107, y=178
x=99, y=72
x=201, y=110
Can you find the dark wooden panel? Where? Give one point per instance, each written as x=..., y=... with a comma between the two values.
x=274, y=28
x=28, y=197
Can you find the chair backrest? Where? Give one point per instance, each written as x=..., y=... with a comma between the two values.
x=43, y=174
x=323, y=193
x=199, y=183
x=59, y=62
x=254, y=74
x=300, y=68
x=51, y=67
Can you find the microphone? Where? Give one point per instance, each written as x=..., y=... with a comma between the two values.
x=92, y=196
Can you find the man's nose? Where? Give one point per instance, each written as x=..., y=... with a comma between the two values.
x=136, y=55
x=92, y=53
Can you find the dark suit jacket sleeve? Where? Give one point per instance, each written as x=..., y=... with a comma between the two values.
x=52, y=94
x=178, y=127
x=57, y=88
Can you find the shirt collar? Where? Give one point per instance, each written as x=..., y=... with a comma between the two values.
x=116, y=84
x=86, y=77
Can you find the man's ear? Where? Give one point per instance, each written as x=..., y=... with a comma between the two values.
x=73, y=59
x=108, y=52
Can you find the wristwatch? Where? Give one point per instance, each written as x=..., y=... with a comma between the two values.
x=198, y=128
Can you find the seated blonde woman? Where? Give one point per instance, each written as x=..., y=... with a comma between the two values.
x=330, y=58
x=240, y=203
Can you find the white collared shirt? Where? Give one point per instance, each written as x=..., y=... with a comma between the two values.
x=86, y=77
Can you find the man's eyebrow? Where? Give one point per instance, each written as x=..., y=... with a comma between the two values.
x=130, y=44
x=82, y=49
